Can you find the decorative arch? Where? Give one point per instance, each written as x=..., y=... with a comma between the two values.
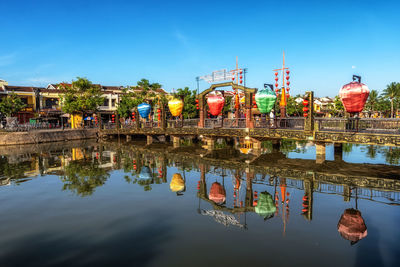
x=248, y=96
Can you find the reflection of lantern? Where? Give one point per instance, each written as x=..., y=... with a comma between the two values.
x=145, y=174
x=351, y=226
x=353, y=96
x=265, y=205
x=215, y=103
x=177, y=183
x=305, y=109
x=265, y=100
x=217, y=193
x=175, y=107
x=144, y=110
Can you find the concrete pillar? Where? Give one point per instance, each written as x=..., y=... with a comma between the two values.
x=128, y=138
x=209, y=143
x=149, y=139
x=338, y=151
x=320, y=151
x=176, y=141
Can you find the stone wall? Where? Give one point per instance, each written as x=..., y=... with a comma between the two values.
x=45, y=136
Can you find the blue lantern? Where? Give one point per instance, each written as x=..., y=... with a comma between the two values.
x=144, y=110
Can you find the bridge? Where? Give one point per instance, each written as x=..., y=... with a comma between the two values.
x=319, y=130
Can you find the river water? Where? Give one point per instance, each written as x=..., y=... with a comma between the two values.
x=90, y=204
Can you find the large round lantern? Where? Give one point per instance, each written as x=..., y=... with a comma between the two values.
x=144, y=110
x=265, y=100
x=175, y=107
x=353, y=96
x=215, y=103
x=177, y=183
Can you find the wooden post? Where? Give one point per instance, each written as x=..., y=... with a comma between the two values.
x=249, y=118
x=201, y=110
x=309, y=120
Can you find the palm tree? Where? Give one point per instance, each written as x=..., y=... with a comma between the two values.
x=392, y=91
x=372, y=100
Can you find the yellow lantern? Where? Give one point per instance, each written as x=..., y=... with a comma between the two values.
x=177, y=183
x=175, y=107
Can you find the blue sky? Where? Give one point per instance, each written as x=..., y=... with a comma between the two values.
x=172, y=42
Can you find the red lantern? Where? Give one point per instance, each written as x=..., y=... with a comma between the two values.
x=287, y=72
x=287, y=77
x=305, y=102
x=113, y=115
x=215, y=103
x=197, y=107
x=287, y=83
x=276, y=73
x=197, y=101
x=233, y=78
x=276, y=85
x=305, y=114
x=241, y=77
x=287, y=95
x=241, y=81
x=241, y=72
x=287, y=88
x=305, y=109
x=254, y=102
x=276, y=78
x=353, y=96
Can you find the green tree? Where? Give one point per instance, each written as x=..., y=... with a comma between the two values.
x=80, y=96
x=373, y=99
x=392, y=92
x=11, y=105
x=189, y=102
x=338, y=108
x=83, y=177
x=293, y=108
x=133, y=96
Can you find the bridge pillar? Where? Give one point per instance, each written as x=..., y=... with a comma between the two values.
x=320, y=152
x=176, y=141
x=338, y=151
x=128, y=138
x=149, y=139
x=210, y=143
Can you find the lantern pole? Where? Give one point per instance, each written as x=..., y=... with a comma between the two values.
x=283, y=101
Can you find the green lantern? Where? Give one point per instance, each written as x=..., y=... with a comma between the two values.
x=265, y=205
x=265, y=100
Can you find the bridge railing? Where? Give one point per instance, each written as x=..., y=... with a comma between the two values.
x=295, y=123
x=185, y=123
x=366, y=125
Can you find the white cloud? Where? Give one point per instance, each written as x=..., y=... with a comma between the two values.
x=8, y=59
x=353, y=67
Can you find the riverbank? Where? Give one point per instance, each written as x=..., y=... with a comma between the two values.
x=45, y=136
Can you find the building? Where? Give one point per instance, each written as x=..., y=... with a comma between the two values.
x=29, y=96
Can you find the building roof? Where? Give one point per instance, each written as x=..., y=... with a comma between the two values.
x=11, y=88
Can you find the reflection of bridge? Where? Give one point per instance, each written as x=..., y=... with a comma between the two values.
x=352, y=130
x=371, y=182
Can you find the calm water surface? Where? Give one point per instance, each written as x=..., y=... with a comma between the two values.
x=86, y=204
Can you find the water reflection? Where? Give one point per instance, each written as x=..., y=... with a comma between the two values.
x=283, y=194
